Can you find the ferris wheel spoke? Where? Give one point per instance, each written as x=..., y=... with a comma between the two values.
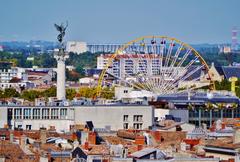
x=169, y=53
x=139, y=78
x=184, y=57
x=152, y=82
x=179, y=79
x=192, y=72
x=125, y=81
x=144, y=68
x=184, y=69
x=176, y=55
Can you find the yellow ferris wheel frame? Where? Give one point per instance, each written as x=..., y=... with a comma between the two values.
x=119, y=51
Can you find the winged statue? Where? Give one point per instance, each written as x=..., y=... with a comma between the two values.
x=61, y=28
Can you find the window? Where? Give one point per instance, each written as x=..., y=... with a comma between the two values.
x=63, y=113
x=125, y=126
x=17, y=113
x=27, y=113
x=36, y=113
x=45, y=113
x=137, y=125
x=28, y=127
x=137, y=118
x=54, y=113
x=125, y=118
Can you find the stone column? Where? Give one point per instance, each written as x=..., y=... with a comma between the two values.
x=61, y=57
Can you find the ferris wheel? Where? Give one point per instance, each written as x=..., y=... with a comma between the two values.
x=157, y=65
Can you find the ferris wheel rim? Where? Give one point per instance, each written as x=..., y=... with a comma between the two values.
x=126, y=45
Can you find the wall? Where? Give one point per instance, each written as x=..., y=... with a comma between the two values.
x=3, y=116
x=60, y=125
x=160, y=113
x=112, y=116
x=76, y=47
x=179, y=113
x=102, y=116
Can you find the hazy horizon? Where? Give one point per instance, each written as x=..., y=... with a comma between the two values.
x=107, y=21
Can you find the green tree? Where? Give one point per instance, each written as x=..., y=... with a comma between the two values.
x=50, y=92
x=1, y=93
x=30, y=95
x=87, y=92
x=70, y=93
x=107, y=93
x=10, y=92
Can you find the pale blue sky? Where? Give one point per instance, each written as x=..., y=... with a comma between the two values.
x=119, y=21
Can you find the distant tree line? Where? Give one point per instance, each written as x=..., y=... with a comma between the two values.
x=32, y=94
x=80, y=61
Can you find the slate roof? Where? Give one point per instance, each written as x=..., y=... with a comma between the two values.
x=143, y=152
x=231, y=71
x=195, y=75
x=219, y=70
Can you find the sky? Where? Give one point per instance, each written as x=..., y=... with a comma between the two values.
x=120, y=21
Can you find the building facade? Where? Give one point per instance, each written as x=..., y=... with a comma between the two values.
x=76, y=47
x=6, y=75
x=127, y=65
x=62, y=117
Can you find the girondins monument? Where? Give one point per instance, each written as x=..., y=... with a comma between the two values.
x=61, y=55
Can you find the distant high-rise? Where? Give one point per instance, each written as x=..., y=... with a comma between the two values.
x=234, y=46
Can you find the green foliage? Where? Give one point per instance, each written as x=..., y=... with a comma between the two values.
x=10, y=92
x=80, y=61
x=87, y=92
x=1, y=93
x=107, y=93
x=226, y=85
x=84, y=60
x=70, y=94
x=51, y=92
x=30, y=95
x=44, y=60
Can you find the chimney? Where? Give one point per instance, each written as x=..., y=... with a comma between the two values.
x=139, y=147
x=231, y=160
x=11, y=137
x=92, y=138
x=22, y=141
x=223, y=126
x=43, y=136
x=140, y=140
x=86, y=145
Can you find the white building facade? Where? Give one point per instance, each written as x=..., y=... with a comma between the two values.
x=127, y=65
x=15, y=72
x=62, y=117
x=76, y=47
